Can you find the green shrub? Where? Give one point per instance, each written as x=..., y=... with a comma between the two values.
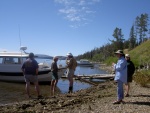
x=142, y=77
x=110, y=60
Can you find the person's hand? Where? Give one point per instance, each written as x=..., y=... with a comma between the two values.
x=115, y=81
x=67, y=58
x=113, y=64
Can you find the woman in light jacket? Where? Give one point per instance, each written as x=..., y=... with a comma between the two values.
x=120, y=75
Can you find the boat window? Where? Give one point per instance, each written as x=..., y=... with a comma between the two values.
x=44, y=61
x=1, y=60
x=24, y=59
x=12, y=60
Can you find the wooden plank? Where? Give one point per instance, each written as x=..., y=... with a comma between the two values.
x=81, y=79
x=97, y=76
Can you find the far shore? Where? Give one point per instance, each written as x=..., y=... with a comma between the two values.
x=107, y=68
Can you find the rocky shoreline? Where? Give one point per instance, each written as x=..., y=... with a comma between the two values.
x=108, y=69
x=94, y=99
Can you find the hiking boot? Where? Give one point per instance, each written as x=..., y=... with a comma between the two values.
x=127, y=95
x=70, y=89
x=40, y=97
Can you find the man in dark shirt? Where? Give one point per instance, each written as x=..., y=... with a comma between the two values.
x=30, y=71
x=54, y=70
x=130, y=72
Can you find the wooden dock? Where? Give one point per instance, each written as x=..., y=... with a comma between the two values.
x=94, y=76
x=84, y=78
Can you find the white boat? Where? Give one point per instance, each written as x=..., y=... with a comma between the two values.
x=11, y=62
x=85, y=62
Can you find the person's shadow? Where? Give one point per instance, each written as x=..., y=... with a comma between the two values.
x=141, y=96
x=138, y=102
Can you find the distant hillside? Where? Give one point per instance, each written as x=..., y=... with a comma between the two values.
x=141, y=54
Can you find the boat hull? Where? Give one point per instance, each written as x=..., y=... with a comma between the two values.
x=18, y=77
x=85, y=65
x=20, y=73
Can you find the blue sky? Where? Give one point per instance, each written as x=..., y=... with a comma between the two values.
x=56, y=27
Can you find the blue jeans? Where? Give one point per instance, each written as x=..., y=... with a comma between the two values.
x=120, y=91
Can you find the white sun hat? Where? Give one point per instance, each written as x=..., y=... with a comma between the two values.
x=69, y=54
x=127, y=55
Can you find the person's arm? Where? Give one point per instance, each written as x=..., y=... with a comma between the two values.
x=37, y=71
x=113, y=65
x=133, y=67
x=121, y=64
x=37, y=68
x=23, y=68
x=23, y=71
x=70, y=63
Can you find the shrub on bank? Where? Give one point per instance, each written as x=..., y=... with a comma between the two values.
x=142, y=77
x=110, y=60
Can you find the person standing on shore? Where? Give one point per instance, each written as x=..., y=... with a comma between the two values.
x=130, y=72
x=54, y=70
x=71, y=66
x=30, y=72
x=120, y=75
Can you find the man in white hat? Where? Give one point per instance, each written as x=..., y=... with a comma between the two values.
x=71, y=66
x=120, y=75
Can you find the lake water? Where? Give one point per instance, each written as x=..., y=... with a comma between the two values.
x=9, y=92
x=80, y=70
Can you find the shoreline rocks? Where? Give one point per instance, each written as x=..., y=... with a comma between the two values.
x=94, y=99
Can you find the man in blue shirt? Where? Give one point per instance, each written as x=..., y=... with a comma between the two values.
x=120, y=75
x=30, y=71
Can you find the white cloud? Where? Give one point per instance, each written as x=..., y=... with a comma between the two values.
x=68, y=11
x=77, y=11
x=82, y=2
x=65, y=2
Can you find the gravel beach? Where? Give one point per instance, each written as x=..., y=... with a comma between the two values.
x=96, y=99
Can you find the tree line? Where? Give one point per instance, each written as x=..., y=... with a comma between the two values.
x=139, y=33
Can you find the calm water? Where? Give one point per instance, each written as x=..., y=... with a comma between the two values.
x=80, y=70
x=9, y=92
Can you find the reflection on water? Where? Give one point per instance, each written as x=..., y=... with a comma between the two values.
x=15, y=92
x=88, y=71
x=80, y=70
x=63, y=85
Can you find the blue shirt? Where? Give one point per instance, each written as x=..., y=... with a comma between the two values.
x=121, y=70
x=30, y=66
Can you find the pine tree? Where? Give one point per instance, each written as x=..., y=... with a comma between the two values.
x=118, y=42
x=132, y=38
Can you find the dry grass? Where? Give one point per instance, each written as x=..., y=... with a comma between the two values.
x=142, y=77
